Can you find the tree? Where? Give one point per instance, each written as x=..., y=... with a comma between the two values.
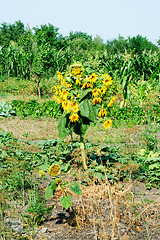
x=11, y=32
x=119, y=45
x=138, y=44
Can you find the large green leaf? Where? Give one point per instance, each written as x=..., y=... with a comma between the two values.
x=63, y=127
x=84, y=93
x=76, y=188
x=44, y=167
x=66, y=201
x=81, y=127
x=50, y=190
x=88, y=110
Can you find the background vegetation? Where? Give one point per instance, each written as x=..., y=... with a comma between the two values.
x=38, y=53
x=128, y=152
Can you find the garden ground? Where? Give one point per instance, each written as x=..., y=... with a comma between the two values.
x=123, y=210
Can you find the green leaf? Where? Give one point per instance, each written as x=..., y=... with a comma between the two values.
x=66, y=201
x=153, y=166
x=76, y=188
x=88, y=110
x=84, y=93
x=50, y=189
x=53, y=185
x=44, y=167
x=124, y=82
x=63, y=127
x=49, y=192
x=81, y=127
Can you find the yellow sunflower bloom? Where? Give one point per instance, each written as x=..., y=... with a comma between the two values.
x=111, y=102
x=102, y=113
x=107, y=81
x=74, y=117
x=96, y=92
x=107, y=124
x=96, y=100
x=93, y=78
x=78, y=82
x=74, y=107
x=76, y=70
x=84, y=85
x=59, y=75
x=64, y=94
x=57, y=99
x=54, y=170
x=87, y=85
x=103, y=90
x=65, y=105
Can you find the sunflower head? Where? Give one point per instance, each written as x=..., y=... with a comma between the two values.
x=76, y=70
x=54, y=170
x=74, y=117
x=107, y=124
x=111, y=101
x=102, y=113
x=96, y=100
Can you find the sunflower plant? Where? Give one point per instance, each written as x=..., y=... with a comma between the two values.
x=56, y=182
x=81, y=98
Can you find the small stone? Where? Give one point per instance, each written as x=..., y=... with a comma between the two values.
x=44, y=230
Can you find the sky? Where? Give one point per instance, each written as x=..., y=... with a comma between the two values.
x=105, y=18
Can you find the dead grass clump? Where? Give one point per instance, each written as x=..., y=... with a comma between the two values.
x=112, y=211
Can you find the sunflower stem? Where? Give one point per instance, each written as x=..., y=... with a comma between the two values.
x=83, y=153
x=74, y=213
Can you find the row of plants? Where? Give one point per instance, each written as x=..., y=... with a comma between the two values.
x=39, y=54
x=33, y=108
x=19, y=161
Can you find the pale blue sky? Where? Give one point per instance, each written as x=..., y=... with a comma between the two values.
x=106, y=18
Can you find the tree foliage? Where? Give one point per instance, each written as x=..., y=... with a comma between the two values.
x=42, y=51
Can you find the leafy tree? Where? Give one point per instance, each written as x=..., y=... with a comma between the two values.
x=117, y=45
x=49, y=34
x=77, y=35
x=138, y=44
x=10, y=32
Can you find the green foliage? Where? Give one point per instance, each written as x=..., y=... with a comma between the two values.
x=56, y=182
x=63, y=126
x=34, y=108
x=10, y=32
x=76, y=188
x=41, y=51
x=36, y=211
x=139, y=115
x=50, y=189
x=88, y=110
x=6, y=110
x=66, y=201
x=150, y=168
